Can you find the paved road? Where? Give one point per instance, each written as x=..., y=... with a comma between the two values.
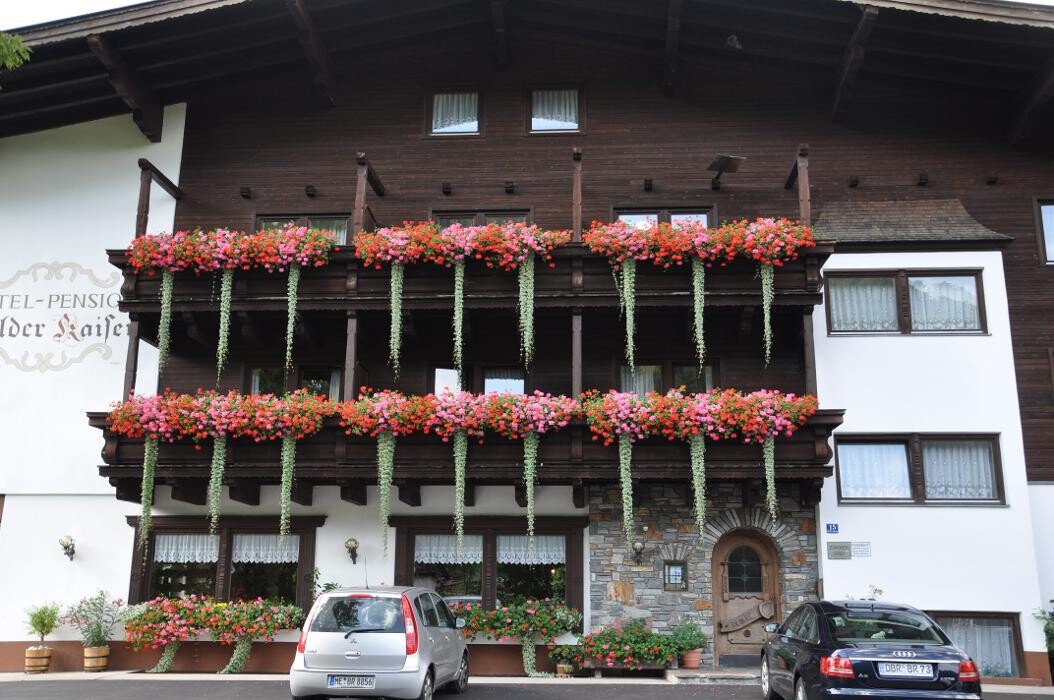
x=267, y=690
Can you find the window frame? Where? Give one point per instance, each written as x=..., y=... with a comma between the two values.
x=303, y=219
x=334, y=373
x=667, y=366
x=1015, y=625
x=429, y=108
x=305, y=526
x=528, y=109
x=665, y=213
x=1038, y=203
x=666, y=584
x=916, y=469
x=480, y=215
x=903, y=299
x=572, y=527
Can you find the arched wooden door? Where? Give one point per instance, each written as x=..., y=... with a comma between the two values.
x=746, y=596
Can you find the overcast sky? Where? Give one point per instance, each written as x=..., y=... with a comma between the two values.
x=19, y=13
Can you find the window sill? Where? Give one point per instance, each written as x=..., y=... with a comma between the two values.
x=556, y=132
x=917, y=334
x=924, y=504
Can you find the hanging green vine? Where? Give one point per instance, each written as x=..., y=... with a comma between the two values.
x=168, y=655
x=459, y=315
x=460, y=461
x=530, y=471
x=698, y=308
x=242, y=649
x=290, y=321
x=164, y=329
x=525, y=304
x=288, y=466
x=219, y=459
x=385, y=468
x=395, y=334
x=768, y=294
x=147, y=491
x=530, y=659
x=770, y=476
x=697, y=450
x=625, y=460
x=223, y=345
x=629, y=303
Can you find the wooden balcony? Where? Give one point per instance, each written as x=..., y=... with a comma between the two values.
x=565, y=457
x=580, y=279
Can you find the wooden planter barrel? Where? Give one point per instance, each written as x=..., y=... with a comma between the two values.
x=38, y=659
x=96, y=658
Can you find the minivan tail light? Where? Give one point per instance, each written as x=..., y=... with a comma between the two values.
x=968, y=671
x=303, y=639
x=410, y=625
x=838, y=666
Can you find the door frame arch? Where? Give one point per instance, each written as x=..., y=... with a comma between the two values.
x=769, y=554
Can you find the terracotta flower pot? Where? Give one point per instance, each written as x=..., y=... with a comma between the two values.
x=38, y=659
x=691, y=658
x=96, y=658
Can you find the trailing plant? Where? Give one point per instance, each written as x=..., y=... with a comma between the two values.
x=242, y=622
x=769, y=451
x=768, y=294
x=623, y=244
x=458, y=416
x=697, y=456
x=288, y=466
x=223, y=344
x=290, y=323
x=525, y=308
x=165, y=623
x=395, y=329
x=95, y=618
x=216, y=469
x=530, y=623
x=41, y=620
x=459, y=319
x=164, y=329
x=628, y=647
x=146, y=491
x=698, y=309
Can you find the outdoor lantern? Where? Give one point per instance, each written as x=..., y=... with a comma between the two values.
x=638, y=552
x=352, y=545
x=68, y=546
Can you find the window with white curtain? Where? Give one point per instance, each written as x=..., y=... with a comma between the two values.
x=644, y=219
x=322, y=381
x=944, y=303
x=503, y=380
x=990, y=640
x=640, y=379
x=526, y=573
x=337, y=225
x=873, y=470
x=959, y=469
x=905, y=301
x=445, y=380
x=1046, y=215
x=554, y=110
x=863, y=304
x=455, y=113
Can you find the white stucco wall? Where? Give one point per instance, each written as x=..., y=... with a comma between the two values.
x=66, y=195
x=1042, y=497
x=962, y=558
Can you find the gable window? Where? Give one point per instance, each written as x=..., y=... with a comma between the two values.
x=267, y=380
x=555, y=111
x=503, y=380
x=338, y=224
x=324, y=381
x=993, y=640
x=645, y=218
x=455, y=113
x=905, y=301
x=479, y=218
x=1045, y=216
x=919, y=469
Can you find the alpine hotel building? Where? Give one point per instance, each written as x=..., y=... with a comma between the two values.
x=913, y=135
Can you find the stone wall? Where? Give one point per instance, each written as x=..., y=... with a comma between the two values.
x=620, y=591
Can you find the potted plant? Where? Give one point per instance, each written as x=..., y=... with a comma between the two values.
x=95, y=617
x=690, y=640
x=41, y=621
x=565, y=657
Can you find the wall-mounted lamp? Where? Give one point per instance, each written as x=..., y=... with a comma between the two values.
x=352, y=545
x=924, y=179
x=638, y=552
x=69, y=546
x=246, y=192
x=854, y=181
x=310, y=191
x=510, y=187
x=648, y=184
x=721, y=164
x=446, y=188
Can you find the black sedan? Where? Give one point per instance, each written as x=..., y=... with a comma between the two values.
x=826, y=651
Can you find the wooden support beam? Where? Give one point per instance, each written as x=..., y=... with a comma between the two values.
x=131, y=360
x=190, y=491
x=852, y=60
x=353, y=492
x=1035, y=99
x=351, y=345
x=161, y=179
x=410, y=493
x=809, y=492
x=576, y=195
x=127, y=489
x=579, y=494
x=303, y=492
x=147, y=111
x=372, y=178
x=810, y=351
x=142, y=211
x=799, y=173
x=673, y=39
x=470, y=493
x=638, y=498
x=501, y=35
x=521, y=495
x=576, y=353
x=245, y=491
x=317, y=58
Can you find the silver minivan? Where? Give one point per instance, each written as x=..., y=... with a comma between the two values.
x=396, y=642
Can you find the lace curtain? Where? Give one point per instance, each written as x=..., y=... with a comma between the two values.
x=555, y=110
x=959, y=469
x=266, y=549
x=548, y=549
x=455, y=113
x=863, y=303
x=944, y=304
x=989, y=641
x=646, y=378
x=186, y=549
x=442, y=549
x=503, y=379
x=873, y=470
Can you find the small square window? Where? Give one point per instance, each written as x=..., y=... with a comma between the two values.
x=337, y=225
x=641, y=220
x=455, y=113
x=503, y=380
x=267, y=380
x=641, y=379
x=554, y=110
x=675, y=576
x=321, y=381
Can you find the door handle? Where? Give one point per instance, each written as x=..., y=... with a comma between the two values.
x=352, y=654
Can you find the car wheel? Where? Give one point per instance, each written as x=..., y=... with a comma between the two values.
x=460, y=683
x=427, y=688
x=766, y=681
x=799, y=690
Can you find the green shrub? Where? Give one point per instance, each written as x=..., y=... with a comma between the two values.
x=688, y=636
x=42, y=620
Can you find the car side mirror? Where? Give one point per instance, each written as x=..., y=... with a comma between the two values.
x=772, y=628
x=459, y=623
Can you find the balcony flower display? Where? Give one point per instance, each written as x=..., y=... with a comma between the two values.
x=164, y=623
x=457, y=417
x=529, y=623
x=245, y=621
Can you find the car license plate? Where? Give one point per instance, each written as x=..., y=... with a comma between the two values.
x=906, y=670
x=364, y=682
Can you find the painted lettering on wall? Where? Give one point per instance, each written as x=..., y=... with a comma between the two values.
x=54, y=315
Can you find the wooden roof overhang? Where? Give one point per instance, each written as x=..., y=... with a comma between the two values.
x=566, y=457
x=140, y=58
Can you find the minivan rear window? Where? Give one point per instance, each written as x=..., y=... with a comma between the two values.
x=359, y=614
x=899, y=626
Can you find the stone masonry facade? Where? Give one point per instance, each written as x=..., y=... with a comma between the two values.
x=621, y=591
